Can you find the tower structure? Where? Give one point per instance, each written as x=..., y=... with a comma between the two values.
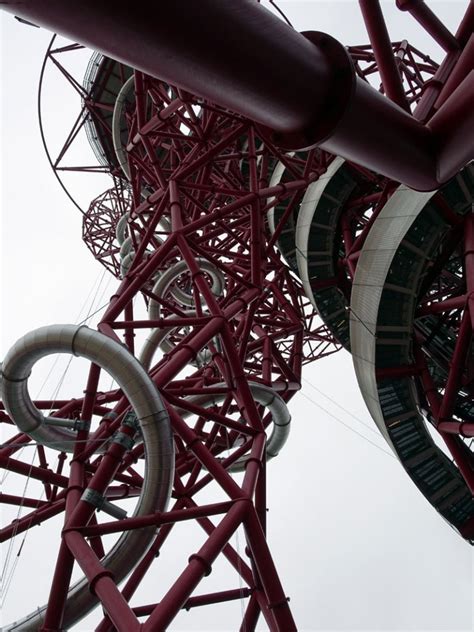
x=234, y=219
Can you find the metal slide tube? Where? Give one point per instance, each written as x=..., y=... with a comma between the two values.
x=119, y=108
x=154, y=423
x=245, y=58
x=266, y=396
x=160, y=288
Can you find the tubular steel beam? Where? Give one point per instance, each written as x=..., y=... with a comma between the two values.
x=382, y=47
x=453, y=128
x=464, y=66
x=303, y=88
x=425, y=16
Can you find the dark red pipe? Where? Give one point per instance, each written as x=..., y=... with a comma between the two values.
x=464, y=66
x=301, y=88
x=429, y=21
x=382, y=47
x=453, y=128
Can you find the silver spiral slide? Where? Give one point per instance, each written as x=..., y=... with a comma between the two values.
x=155, y=427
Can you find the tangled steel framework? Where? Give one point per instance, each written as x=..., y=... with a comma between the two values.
x=239, y=237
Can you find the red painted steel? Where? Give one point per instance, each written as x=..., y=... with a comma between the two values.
x=386, y=62
x=200, y=190
x=432, y=24
x=316, y=100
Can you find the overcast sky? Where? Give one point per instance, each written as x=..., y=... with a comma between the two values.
x=356, y=545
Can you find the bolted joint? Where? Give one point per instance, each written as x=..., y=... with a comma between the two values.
x=252, y=459
x=104, y=573
x=278, y=604
x=81, y=424
x=198, y=558
x=96, y=499
x=110, y=416
x=93, y=497
x=123, y=440
x=131, y=420
x=407, y=5
x=72, y=424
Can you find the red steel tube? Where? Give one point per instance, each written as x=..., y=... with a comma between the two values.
x=32, y=519
x=433, y=87
x=199, y=565
x=158, y=519
x=278, y=602
x=54, y=614
x=453, y=129
x=371, y=127
x=224, y=479
x=200, y=600
x=382, y=47
x=456, y=428
x=10, y=499
x=429, y=21
x=251, y=616
x=101, y=584
x=243, y=57
x=33, y=471
x=458, y=360
x=228, y=551
x=446, y=305
x=461, y=456
x=466, y=28
x=463, y=67
x=237, y=42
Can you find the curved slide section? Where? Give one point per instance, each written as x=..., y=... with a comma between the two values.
x=278, y=409
x=316, y=236
x=399, y=255
x=155, y=427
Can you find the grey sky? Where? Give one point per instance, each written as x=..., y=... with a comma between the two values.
x=357, y=547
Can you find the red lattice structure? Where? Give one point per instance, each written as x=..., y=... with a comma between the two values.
x=238, y=218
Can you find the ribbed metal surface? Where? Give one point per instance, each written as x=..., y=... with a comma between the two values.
x=316, y=237
x=391, y=269
x=153, y=418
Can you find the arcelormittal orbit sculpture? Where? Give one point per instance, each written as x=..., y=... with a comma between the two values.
x=269, y=206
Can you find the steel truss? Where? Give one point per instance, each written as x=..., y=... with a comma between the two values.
x=204, y=228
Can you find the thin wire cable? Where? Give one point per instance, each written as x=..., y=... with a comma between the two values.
x=283, y=15
x=239, y=559
x=100, y=280
x=347, y=426
x=348, y=412
x=32, y=444
x=98, y=299
x=7, y=472
x=57, y=389
x=99, y=309
x=98, y=283
x=241, y=584
x=17, y=559
x=12, y=539
x=6, y=583
x=55, y=394
x=372, y=333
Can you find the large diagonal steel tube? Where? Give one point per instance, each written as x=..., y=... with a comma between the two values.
x=302, y=88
